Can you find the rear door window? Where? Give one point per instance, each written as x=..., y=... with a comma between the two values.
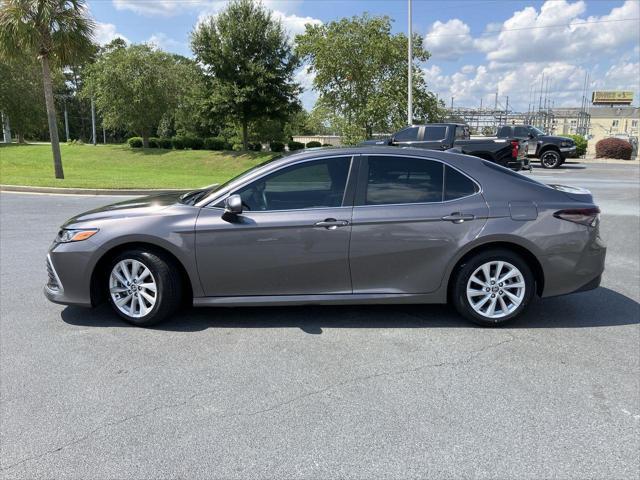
x=398, y=180
x=504, y=132
x=457, y=185
x=432, y=133
x=521, y=132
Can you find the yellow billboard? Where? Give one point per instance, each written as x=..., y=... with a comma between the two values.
x=612, y=97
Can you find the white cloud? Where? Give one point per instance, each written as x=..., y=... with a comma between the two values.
x=105, y=32
x=558, y=33
x=294, y=24
x=449, y=40
x=164, y=8
x=625, y=76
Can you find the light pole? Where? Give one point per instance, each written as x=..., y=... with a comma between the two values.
x=410, y=74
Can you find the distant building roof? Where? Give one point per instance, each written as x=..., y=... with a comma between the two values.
x=600, y=112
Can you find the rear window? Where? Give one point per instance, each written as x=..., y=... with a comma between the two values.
x=511, y=173
x=407, y=135
x=504, y=132
x=434, y=133
x=457, y=185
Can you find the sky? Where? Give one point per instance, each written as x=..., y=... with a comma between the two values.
x=477, y=47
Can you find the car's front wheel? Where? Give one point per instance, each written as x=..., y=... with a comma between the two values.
x=551, y=159
x=144, y=287
x=493, y=287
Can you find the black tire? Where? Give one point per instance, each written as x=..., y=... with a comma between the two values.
x=551, y=159
x=459, y=287
x=168, y=282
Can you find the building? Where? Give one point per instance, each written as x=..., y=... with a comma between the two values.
x=602, y=122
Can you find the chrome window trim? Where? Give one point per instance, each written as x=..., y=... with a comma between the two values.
x=445, y=164
x=223, y=196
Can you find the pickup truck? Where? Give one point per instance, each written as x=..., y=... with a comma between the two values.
x=551, y=150
x=508, y=152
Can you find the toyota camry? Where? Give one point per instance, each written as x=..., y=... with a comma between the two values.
x=368, y=225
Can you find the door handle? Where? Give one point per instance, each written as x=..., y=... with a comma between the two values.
x=331, y=223
x=458, y=217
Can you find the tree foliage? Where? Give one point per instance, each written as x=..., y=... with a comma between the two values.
x=54, y=31
x=360, y=70
x=135, y=87
x=249, y=64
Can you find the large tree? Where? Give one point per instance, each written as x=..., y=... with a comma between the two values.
x=135, y=87
x=56, y=31
x=249, y=63
x=360, y=71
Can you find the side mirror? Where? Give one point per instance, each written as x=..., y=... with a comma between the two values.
x=233, y=205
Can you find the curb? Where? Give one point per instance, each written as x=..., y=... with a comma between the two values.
x=87, y=191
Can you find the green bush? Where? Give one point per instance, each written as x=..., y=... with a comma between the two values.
x=276, y=146
x=178, y=142
x=164, y=143
x=135, y=142
x=255, y=146
x=193, y=142
x=154, y=142
x=237, y=147
x=327, y=145
x=215, y=143
x=75, y=142
x=581, y=144
x=295, y=146
x=313, y=144
x=614, y=148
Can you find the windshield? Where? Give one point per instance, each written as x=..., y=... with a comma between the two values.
x=537, y=131
x=192, y=197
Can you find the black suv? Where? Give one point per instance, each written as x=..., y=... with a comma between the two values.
x=551, y=150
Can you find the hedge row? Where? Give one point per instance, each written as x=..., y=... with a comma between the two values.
x=182, y=142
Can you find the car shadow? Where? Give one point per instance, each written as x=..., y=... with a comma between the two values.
x=598, y=308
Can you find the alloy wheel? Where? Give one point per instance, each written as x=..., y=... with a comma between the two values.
x=496, y=289
x=550, y=159
x=133, y=288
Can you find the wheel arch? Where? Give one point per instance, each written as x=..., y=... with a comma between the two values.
x=524, y=252
x=550, y=146
x=100, y=270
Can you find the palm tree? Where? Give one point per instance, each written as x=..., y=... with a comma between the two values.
x=57, y=31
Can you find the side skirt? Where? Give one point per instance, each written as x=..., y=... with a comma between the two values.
x=342, y=299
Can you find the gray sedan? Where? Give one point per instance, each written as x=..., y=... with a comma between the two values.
x=337, y=226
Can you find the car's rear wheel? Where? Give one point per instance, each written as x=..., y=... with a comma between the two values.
x=493, y=287
x=144, y=288
x=551, y=159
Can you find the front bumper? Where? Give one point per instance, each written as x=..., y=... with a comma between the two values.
x=69, y=267
x=568, y=152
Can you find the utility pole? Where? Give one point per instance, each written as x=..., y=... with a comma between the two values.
x=6, y=127
x=66, y=121
x=452, y=105
x=104, y=135
x=93, y=123
x=506, y=111
x=410, y=73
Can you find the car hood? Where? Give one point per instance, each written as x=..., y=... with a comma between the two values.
x=554, y=139
x=135, y=207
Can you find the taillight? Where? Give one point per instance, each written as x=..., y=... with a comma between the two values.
x=515, y=146
x=584, y=216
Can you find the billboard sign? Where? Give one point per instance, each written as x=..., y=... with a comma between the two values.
x=616, y=97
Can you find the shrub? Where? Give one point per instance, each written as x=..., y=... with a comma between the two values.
x=295, y=146
x=178, y=142
x=154, y=142
x=276, y=146
x=255, y=146
x=135, y=142
x=164, y=143
x=215, y=143
x=75, y=142
x=313, y=144
x=237, y=147
x=327, y=145
x=193, y=142
x=614, y=148
x=581, y=144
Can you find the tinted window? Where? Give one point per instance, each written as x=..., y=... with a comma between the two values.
x=434, y=133
x=407, y=135
x=462, y=133
x=457, y=185
x=504, y=132
x=511, y=173
x=521, y=132
x=394, y=180
x=315, y=184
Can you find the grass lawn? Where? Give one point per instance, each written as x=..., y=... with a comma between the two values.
x=119, y=166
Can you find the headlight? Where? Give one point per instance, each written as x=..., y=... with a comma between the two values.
x=566, y=144
x=75, y=235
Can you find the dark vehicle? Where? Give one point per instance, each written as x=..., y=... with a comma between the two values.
x=509, y=152
x=337, y=226
x=551, y=150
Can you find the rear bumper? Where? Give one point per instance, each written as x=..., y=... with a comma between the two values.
x=519, y=164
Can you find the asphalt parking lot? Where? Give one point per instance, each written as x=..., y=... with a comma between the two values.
x=322, y=392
